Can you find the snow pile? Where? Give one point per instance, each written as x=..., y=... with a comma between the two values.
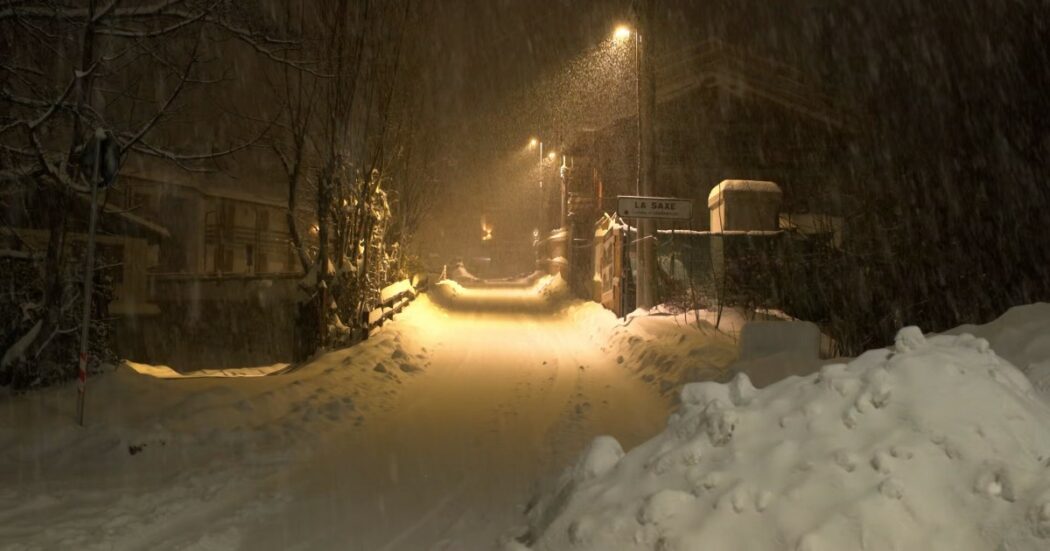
x=669, y=351
x=162, y=451
x=1022, y=336
x=935, y=443
x=548, y=294
x=460, y=274
x=167, y=372
x=771, y=351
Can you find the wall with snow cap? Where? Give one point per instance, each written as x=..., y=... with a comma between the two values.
x=744, y=205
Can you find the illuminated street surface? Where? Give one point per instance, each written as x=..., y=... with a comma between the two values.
x=512, y=392
x=503, y=388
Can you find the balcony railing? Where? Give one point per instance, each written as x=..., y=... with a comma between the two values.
x=240, y=235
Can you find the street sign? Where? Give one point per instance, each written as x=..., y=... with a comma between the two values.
x=661, y=208
x=102, y=147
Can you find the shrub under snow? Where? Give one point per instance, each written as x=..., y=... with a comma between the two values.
x=936, y=443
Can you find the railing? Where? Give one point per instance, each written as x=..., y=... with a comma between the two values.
x=214, y=233
x=393, y=299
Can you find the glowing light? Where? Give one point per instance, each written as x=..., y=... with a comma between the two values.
x=486, y=227
x=533, y=143
x=622, y=32
x=552, y=155
x=314, y=229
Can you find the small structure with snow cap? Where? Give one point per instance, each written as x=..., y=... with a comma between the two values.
x=744, y=205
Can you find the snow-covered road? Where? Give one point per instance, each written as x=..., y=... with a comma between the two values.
x=511, y=394
x=434, y=434
x=438, y=431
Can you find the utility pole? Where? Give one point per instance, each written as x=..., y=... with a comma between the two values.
x=646, y=244
x=564, y=192
x=544, y=231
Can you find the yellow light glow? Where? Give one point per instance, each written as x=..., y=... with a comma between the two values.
x=622, y=32
x=552, y=155
x=533, y=143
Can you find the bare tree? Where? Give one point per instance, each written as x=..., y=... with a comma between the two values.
x=76, y=67
x=344, y=136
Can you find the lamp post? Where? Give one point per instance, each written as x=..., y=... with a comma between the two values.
x=535, y=143
x=646, y=250
x=550, y=156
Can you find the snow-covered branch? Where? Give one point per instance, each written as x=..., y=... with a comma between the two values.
x=52, y=107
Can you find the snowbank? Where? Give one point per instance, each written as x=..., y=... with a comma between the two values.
x=460, y=274
x=167, y=372
x=547, y=294
x=162, y=453
x=771, y=351
x=933, y=444
x=668, y=351
x=1022, y=336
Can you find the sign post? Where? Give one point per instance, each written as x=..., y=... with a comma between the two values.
x=642, y=208
x=102, y=156
x=654, y=208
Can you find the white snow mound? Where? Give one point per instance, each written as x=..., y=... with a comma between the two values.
x=1021, y=336
x=936, y=444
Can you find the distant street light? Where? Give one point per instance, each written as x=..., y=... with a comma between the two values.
x=552, y=155
x=533, y=144
x=622, y=32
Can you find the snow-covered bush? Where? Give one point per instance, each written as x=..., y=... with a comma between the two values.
x=28, y=357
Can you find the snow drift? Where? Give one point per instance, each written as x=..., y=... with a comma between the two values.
x=1021, y=336
x=935, y=443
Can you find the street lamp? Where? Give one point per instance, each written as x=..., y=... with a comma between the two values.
x=646, y=251
x=535, y=143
